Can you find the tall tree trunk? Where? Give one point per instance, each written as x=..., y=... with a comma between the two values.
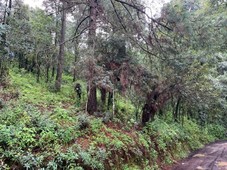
x=53, y=71
x=56, y=39
x=26, y=64
x=176, y=113
x=148, y=113
x=92, y=96
x=7, y=14
x=21, y=60
x=58, y=81
x=92, y=100
x=110, y=100
x=103, y=96
x=9, y=11
x=75, y=60
x=47, y=72
x=31, y=67
x=38, y=73
x=3, y=44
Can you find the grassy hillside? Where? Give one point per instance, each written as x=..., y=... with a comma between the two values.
x=43, y=129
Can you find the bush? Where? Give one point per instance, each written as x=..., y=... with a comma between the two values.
x=83, y=122
x=218, y=131
x=174, y=139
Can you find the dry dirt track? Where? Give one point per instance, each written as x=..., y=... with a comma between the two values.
x=212, y=157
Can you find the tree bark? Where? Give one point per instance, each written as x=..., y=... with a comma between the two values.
x=47, y=72
x=92, y=97
x=75, y=60
x=7, y=14
x=60, y=64
x=110, y=100
x=103, y=96
x=9, y=11
x=176, y=113
x=53, y=71
x=92, y=100
x=149, y=111
x=154, y=102
x=38, y=73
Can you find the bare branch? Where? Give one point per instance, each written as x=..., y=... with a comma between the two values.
x=78, y=26
x=127, y=11
x=123, y=26
x=143, y=12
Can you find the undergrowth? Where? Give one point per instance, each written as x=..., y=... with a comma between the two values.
x=40, y=129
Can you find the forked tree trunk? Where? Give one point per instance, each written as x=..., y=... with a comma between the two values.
x=154, y=102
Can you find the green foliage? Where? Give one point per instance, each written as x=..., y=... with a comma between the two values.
x=96, y=126
x=31, y=161
x=3, y=29
x=83, y=122
x=124, y=109
x=34, y=134
x=217, y=131
x=179, y=139
x=37, y=93
x=42, y=129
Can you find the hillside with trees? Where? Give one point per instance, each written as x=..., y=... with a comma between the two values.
x=102, y=84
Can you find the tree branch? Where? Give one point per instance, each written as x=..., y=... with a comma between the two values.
x=80, y=23
x=143, y=12
x=123, y=26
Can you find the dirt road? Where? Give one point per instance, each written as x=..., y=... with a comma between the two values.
x=212, y=157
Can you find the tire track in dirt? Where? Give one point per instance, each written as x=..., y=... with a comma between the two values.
x=211, y=157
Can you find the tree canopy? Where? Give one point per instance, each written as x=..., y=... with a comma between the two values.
x=111, y=60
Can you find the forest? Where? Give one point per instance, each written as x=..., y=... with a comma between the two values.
x=106, y=85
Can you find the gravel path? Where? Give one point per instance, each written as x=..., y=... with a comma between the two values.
x=212, y=157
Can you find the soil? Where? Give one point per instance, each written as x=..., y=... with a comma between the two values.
x=211, y=157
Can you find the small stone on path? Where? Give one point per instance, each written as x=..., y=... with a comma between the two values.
x=199, y=156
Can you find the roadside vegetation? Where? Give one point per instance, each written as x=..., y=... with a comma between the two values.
x=102, y=85
x=42, y=129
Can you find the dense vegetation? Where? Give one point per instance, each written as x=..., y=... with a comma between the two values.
x=102, y=85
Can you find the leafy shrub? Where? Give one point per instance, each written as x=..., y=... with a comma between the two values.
x=36, y=135
x=96, y=125
x=25, y=136
x=48, y=137
x=6, y=136
x=174, y=139
x=66, y=135
x=218, y=131
x=61, y=114
x=124, y=109
x=166, y=134
x=83, y=121
x=31, y=161
x=196, y=136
